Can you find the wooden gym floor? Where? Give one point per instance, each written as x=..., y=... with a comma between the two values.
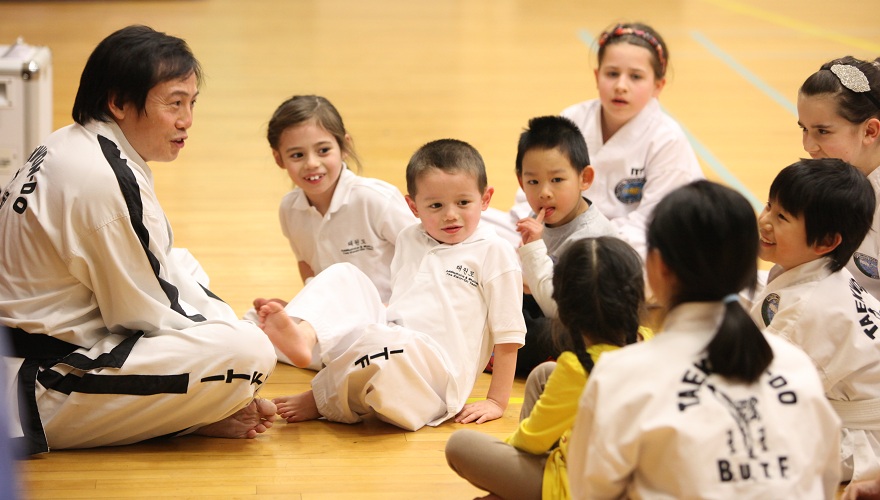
x=402, y=73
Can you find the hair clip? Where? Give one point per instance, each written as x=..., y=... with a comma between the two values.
x=620, y=30
x=854, y=79
x=851, y=77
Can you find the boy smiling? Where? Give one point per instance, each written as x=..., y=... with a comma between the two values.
x=818, y=212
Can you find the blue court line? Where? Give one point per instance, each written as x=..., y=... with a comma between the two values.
x=587, y=38
x=719, y=168
x=745, y=73
x=699, y=148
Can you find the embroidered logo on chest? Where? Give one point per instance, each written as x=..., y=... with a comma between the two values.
x=464, y=274
x=629, y=191
x=866, y=264
x=355, y=246
x=769, y=308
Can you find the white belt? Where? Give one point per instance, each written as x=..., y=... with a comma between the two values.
x=864, y=415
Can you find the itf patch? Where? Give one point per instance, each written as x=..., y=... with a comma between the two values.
x=629, y=191
x=769, y=308
x=866, y=264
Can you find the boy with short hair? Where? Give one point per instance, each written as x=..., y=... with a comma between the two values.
x=456, y=296
x=553, y=169
x=818, y=212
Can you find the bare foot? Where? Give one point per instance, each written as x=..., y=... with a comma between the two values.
x=255, y=418
x=260, y=302
x=294, y=340
x=298, y=408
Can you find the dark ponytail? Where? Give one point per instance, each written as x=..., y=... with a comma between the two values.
x=739, y=350
x=707, y=235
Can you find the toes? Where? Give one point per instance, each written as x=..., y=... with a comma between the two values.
x=265, y=407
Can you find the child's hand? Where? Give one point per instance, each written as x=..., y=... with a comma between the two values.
x=531, y=229
x=865, y=490
x=479, y=412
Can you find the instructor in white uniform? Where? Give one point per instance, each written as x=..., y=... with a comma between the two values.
x=114, y=337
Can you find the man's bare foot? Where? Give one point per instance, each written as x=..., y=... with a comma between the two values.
x=298, y=408
x=255, y=418
x=294, y=340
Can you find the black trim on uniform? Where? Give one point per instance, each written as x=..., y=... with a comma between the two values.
x=131, y=192
x=91, y=383
x=34, y=440
x=38, y=346
x=133, y=385
x=111, y=359
x=209, y=293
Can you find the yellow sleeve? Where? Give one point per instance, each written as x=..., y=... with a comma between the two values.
x=555, y=410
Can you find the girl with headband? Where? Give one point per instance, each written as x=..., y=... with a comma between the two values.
x=639, y=152
x=839, y=114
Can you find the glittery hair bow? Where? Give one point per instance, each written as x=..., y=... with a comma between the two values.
x=621, y=30
x=855, y=80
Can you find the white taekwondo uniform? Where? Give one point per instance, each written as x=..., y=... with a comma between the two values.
x=863, y=264
x=654, y=422
x=835, y=321
x=360, y=227
x=115, y=341
x=415, y=363
x=642, y=162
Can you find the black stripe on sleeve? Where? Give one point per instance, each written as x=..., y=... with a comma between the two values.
x=131, y=192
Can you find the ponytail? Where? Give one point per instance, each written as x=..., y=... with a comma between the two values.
x=707, y=235
x=738, y=350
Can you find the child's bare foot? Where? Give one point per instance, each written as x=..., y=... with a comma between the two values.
x=255, y=418
x=294, y=340
x=260, y=302
x=298, y=408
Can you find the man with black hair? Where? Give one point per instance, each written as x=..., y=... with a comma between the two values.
x=115, y=338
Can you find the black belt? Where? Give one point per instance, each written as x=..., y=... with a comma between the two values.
x=36, y=349
x=38, y=346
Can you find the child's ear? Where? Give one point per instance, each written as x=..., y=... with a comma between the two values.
x=487, y=197
x=587, y=176
x=658, y=86
x=412, y=205
x=519, y=179
x=277, y=156
x=828, y=244
x=872, y=131
x=349, y=143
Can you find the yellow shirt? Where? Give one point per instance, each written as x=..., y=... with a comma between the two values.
x=553, y=416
